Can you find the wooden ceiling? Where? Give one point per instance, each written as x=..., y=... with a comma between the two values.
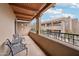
x=28, y=11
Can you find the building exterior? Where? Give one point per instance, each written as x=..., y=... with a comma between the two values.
x=64, y=24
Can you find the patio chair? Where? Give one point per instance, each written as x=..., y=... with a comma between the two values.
x=16, y=47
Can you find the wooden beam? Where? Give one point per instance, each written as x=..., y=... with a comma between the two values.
x=24, y=16
x=39, y=10
x=49, y=6
x=44, y=8
x=22, y=10
x=22, y=21
x=23, y=6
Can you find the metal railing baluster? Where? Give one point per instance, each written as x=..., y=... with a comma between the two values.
x=66, y=37
x=73, y=39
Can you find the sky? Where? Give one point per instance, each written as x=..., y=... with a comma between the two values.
x=61, y=10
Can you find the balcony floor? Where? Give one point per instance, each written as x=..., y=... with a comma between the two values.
x=33, y=49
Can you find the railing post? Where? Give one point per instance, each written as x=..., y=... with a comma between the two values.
x=73, y=39
x=64, y=37
x=68, y=38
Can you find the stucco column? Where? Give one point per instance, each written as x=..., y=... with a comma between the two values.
x=37, y=25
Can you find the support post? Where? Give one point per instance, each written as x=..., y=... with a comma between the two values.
x=37, y=25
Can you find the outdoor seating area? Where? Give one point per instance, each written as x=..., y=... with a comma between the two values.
x=22, y=46
x=16, y=45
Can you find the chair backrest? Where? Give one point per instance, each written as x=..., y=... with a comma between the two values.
x=17, y=40
x=15, y=36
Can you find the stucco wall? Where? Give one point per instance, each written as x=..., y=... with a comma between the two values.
x=23, y=28
x=7, y=19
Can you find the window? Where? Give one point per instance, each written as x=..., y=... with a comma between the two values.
x=48, y=24
x=57, y=23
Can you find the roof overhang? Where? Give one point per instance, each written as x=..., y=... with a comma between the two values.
x=29, y=11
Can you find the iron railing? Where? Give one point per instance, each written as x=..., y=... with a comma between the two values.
x=66, y=37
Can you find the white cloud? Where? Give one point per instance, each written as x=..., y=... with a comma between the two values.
x=43, y=20
x=67, y=15
x=58, y=16
x=75, y=5
x=55, y=16
x=57, y=11
x=62, y=15
x=64, y=4
x=71, y=5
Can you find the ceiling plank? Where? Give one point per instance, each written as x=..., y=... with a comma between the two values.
x=22, y=10
x=22, y=21
x=25, y=16
x=23, y=5
x=18, y=17
x=23, y=13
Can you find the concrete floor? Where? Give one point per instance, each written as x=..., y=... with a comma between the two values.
x=33, y=49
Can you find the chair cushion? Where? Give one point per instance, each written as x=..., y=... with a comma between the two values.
x=17, y=40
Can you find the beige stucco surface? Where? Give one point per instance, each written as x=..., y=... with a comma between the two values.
x=7, y=19
x=23, y=28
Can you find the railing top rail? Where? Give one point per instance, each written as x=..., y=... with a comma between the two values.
x=66, y=33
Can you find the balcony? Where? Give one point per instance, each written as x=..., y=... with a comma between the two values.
x=38, y=44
